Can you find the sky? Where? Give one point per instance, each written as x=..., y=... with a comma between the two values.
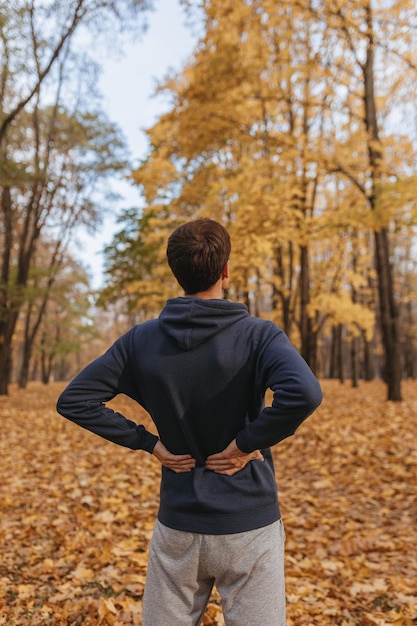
x=128, y=84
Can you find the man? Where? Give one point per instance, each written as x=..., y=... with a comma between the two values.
x=201, y=371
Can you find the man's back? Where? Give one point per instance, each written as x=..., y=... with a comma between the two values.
x=201, y=370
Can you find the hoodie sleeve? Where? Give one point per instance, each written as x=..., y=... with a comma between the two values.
x=83, y=401
x=296, y=394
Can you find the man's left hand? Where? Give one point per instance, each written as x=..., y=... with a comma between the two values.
x=231, y=460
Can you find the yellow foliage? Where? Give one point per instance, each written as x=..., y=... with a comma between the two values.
x=268, y=136
x=341, y=310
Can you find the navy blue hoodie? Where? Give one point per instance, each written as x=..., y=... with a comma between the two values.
x=201, y=371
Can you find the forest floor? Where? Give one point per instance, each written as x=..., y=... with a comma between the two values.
x=77, y=514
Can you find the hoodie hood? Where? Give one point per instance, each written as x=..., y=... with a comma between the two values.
x=191, y=321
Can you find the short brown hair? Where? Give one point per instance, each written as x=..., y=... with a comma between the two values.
x=197, y=253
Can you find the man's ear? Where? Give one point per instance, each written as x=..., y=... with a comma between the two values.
x=225, y=276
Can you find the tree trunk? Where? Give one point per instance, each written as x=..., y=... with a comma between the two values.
x=354, y=340
x=388, y=316
x=46, y=367
x=410, y=356
x=354, y=362
x=23, y=377
x=368, y=373
x=282, y=296
x=336, y=355
x=333, y=354
x=308, y=336
x=383, y=264
x=5, y=331
x=340, y=361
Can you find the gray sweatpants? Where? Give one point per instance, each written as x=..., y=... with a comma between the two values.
x=247, y=569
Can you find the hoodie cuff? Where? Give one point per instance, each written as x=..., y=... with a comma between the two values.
x=147, y=442
x=243, y=444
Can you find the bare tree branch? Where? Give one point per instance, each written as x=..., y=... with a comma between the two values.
x=76, y=18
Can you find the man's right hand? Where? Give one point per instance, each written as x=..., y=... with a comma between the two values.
x=176, y=462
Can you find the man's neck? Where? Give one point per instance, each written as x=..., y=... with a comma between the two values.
x=214, y=293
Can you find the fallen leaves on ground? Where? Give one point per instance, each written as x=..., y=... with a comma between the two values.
x=77, y=514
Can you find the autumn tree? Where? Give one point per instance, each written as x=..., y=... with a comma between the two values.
x=283, y=126
x=247, y=141
x=376, y=45
x=57, y=289
x=80, y=151
x=136, y=274
x=55, y=144
x=56, y=324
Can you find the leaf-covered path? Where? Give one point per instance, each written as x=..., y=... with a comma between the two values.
x=77, y=514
